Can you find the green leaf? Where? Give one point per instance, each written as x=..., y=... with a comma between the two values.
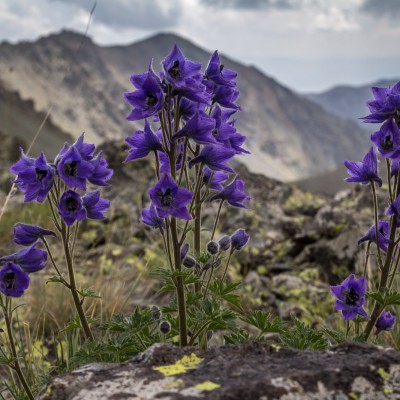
x=55, y=279
x=75, y=323
x=386, y=298
x=88, y=293
x=262, y=320
x=337, y=336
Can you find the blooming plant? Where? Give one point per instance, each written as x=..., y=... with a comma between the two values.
x=351, y=293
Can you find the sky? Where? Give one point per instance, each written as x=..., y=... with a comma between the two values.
x=308, y=45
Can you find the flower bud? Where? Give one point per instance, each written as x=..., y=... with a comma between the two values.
x=165, y=327
x=225, y=243
x=212, y=247
x=189, y=262
x=239, y=239
x=157, y=314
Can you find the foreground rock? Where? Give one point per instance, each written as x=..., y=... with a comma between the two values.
x=250, y=371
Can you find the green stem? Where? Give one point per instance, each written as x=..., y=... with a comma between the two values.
x=217, y=219
x=54, y=264
x=16, y=366
x=208, y=283
x=389, y=179
x=72, y=282
x=376, y=224
x=366, y=258
x=227, y=264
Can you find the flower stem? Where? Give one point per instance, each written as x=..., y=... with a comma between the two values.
x=216, y=219
x=72, y=282
x=376, y=224
x=54, y=264
x=227, y=264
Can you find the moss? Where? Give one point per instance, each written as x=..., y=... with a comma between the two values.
x=302, y=201
x=341, y=271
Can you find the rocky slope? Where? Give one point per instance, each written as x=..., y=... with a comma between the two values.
x=290, y=137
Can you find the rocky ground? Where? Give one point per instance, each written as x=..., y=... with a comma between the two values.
x=250, y=371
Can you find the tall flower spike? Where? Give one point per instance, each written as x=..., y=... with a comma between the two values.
x=350, y=297
x=13, y=280
x=170, y=199
x=364, y=172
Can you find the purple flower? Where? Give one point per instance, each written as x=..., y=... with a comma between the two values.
x=239, y=239
x=13, y=280
x=86, y=150
x=151, y=218
x=233, y=194
x=214, y=157
x=147, y=100
x=142, y=143
x=225, y=96
x=394, y=167
x=394, y=207
x=188, y=108
x=101, y=173
x=199, y=128
x=71, y=207
x=364, y=172
x=217, y=178
x=164, y=160
x=225, y=243
x=385, y=105
x=170, y=199
x=74, y=169
x=184, y=250
x=383, y=232
x=350, y=297
x=94, y=205
x=217, y=73
x=26, y=234
x=387, y=139
x=385, y=322
x=30, y=259
x=34, y=177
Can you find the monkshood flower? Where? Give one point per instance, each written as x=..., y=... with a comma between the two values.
x=239, y=239
x=233, y=194
x=364, y=172
x=385, y=105
x=217, y=72
x=71, y=207
x=170, y=199
x=217, y=178
x=214, y=157
x=101, y=173
x=30, y=259
x=86, y=150
x=350, y=297
x=13, y=280
x=147, y=100
x=74, y=169
x=199, y=129
x=35, y=177
x=387, y=139
x=383, y=233
x=141, y=143
x=94, y=205
x=151, y=218
x=226, y=97
x=27, y=234
x=385, y=322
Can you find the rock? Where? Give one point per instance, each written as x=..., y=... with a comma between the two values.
x=248, y=371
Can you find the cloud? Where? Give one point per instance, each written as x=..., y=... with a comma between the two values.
x=139, y=14
x=253, y=4
x=379, y=8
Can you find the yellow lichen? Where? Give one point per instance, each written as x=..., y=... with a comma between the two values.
x=174, y=384
x=181, y=366
x=207, y=385
x=383, y=374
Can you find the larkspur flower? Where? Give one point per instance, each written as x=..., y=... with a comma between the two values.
x=29, y=259
x=71, y=208
x=364, y=172
x=26, y=234
x=217, y=72
x=214, y=157
x=101, y=173
x=226, y=97
x=151, y=218
x=350, y=297
x=383, y=235
x=394, y=207
x=147, y=100
x=170, y=199
x=86, y=150
x=141, y=143
x=94, y=205
x=385, y=105
x=387, y=139
x=385, y=322
x=35, y=177
x=232, y=194
x=13, y=280
x=217, y=178
x=239, y=239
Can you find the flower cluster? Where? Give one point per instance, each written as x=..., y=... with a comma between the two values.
x=196, y=132
x=74, y=167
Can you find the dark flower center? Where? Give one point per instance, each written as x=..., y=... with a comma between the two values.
x=166, y=198
x=221, y=67
x=40, y=174
x=70, y=168
x=151, y=100
x=380, y=230
x=352, y=297
x=388, y=143
x=175, y=71
x=10, y=280
x=215, y=132
x=71, y=203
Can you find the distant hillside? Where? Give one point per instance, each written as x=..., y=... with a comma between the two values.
x=349, y=101
x=290, y=137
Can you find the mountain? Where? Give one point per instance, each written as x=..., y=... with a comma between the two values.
x=290, y=137
x=349, y=101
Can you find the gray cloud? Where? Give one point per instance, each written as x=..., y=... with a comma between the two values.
x=389, y=8
x=142, y=14
x=253, y=4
